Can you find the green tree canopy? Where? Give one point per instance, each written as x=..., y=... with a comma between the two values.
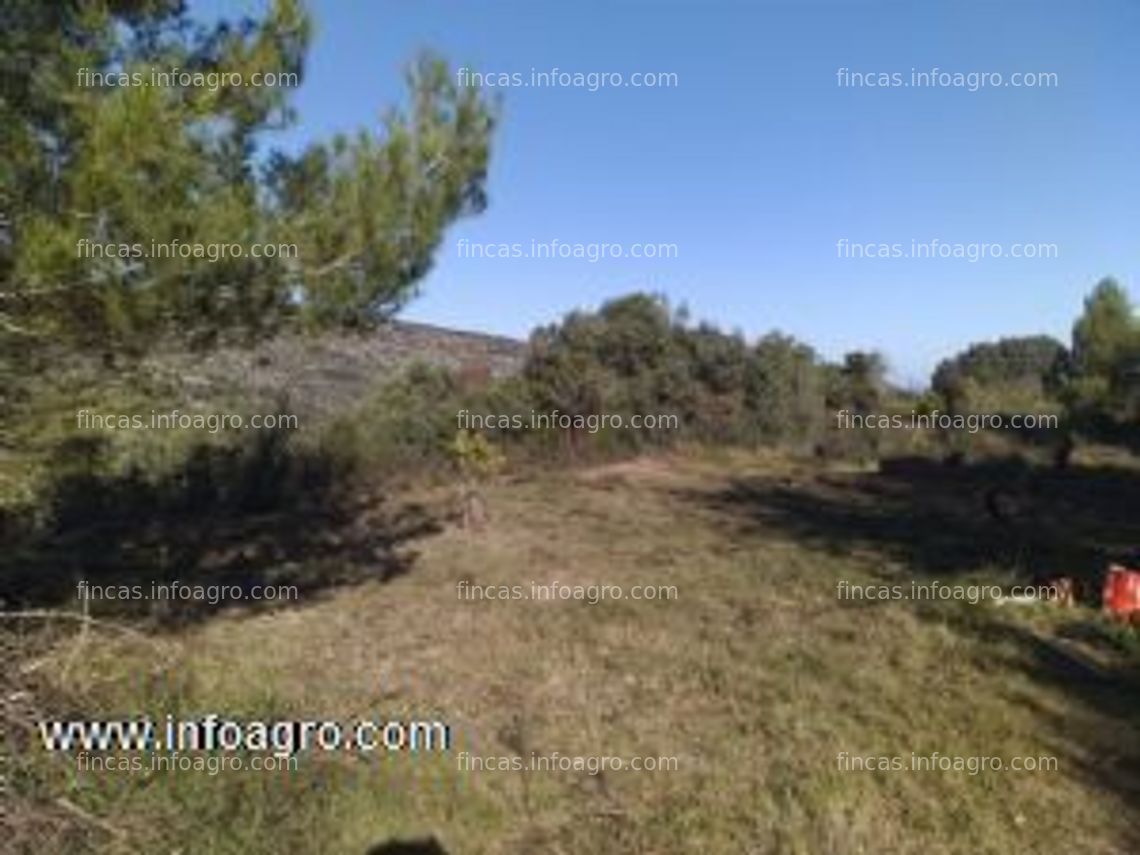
x=784, y=388
x=1106, y=334
x=1105, y=369
x=1024, y=363
x=94, y=152
x=862, y=380
x=628, y=346
x=636, y=355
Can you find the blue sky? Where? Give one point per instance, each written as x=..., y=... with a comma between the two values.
x=758, y=162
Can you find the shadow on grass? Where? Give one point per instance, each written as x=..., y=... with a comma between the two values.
x=257, y=514
x=941, y=520
x=425, y=846
x=950, y=520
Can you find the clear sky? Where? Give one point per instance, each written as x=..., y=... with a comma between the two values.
x=758, y=162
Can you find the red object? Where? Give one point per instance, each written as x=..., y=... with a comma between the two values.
x=1122, y=591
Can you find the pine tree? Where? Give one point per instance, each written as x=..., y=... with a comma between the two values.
x=97, y=158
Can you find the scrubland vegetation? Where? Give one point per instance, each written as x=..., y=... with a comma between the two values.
x=755, y=506
x=755, y=678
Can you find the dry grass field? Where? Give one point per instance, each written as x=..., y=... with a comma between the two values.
x=755, y=677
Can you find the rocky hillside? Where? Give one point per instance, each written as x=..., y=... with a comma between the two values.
x=321, y=374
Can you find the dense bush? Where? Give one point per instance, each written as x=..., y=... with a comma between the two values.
x=636, y=356
x=1006, y=375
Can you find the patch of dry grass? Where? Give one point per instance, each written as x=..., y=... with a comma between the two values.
x=755, y=678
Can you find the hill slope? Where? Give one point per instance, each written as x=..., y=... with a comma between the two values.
x=327, y=373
